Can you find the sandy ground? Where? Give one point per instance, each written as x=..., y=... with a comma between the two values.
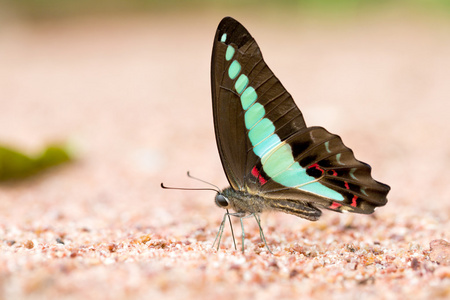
x=132, y=96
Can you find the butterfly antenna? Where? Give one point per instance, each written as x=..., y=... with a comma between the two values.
x=201, y=180
x=186, y=189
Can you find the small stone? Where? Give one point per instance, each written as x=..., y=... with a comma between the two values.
x=142, y=239
x=351, y=247
x=158, y=244
x=273, y=264
x=29, y=244
x=367, y=280
x=112, y=247
x=440, y=252
x=293, y=273
x=415, y=264
x=352, y=265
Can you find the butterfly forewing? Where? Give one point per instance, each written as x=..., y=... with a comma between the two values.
x=232, y=122
x=264, y=144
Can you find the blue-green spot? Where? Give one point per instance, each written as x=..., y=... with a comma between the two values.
x=352, y=173
x=279, y=164
x=363, y=190
x=223, y=38
x=241, y=83
x=294, y=176
x=260, y=131
x=248, y=97
x=234, y=69
x=320, y=189
x=278, y=160
x=338, y=159
x=230, y=52
x=253, y=115
x=267, y=145
x=327, y=146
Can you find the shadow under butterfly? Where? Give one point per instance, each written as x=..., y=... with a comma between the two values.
x=272, y=160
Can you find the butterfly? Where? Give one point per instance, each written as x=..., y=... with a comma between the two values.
x=272, y=160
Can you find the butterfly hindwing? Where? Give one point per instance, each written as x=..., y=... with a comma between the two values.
x=264, y=144
x=329, y=163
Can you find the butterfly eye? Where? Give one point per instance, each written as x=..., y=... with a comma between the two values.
x=221, y=200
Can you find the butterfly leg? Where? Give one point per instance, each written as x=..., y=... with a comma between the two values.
x=220, y=232
x=243, y=233
x=258, y=220
x=241, y=217
x=232, y=231
x=261, y=233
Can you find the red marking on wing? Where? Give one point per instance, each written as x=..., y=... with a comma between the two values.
x=316, y=165
x=255, y=172
x=346, y=185
x=334, y=172
x=257, y=175
x=262, y=180
x=354, y=201
x=335, y=205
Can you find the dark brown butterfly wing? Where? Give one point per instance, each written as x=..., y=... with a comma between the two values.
x=233, y=143
x=264, y=144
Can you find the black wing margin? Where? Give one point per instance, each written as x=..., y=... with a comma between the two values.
x=332, y=164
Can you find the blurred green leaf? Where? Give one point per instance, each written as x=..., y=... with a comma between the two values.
x=16, y=165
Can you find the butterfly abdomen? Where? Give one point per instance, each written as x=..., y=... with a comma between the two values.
x=296, y=208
